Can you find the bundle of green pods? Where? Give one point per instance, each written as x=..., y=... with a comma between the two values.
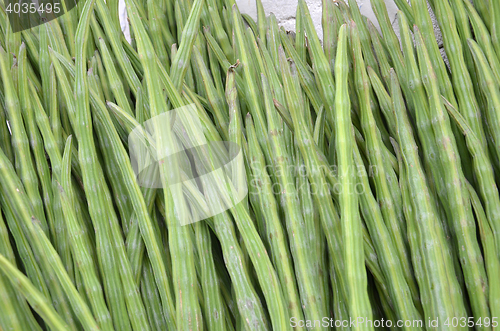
x=345, y=183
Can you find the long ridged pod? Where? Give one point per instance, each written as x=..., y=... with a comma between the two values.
x=483, y=38
x=495, y=28
x=487, y=187
x=36, y=299
x=294, y=221
x=16, y=306
x=113, y=36
x=253, y=101
x=355, y=273
x=461, y=78
x=51, y=263
x=80, y=250
x=106, y=253
x=115, y=81
x=392, y=45
x=157, y=106
x=34, y=139
x=215, y=314
x=99, y=201
x=261, y=191
x=322, y=70
x=400, y=294
x=20, y=140
x=426, y=26
x=388, y=206
x=490, y=256
x=491, y=90
x=425, y=133
x=438, y=281
x=462, y=220
x=364, y=36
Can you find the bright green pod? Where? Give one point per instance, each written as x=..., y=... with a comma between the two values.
x=380, y=53
x=495, y=28
x=490, y=255
x=32, y=268
x=215, y=69
x=39, y=156
x=155, y=33
x=355, y=272
x=387, y=252
x=20, y=142
x=217, y=102
x=409, y=213
x=99, y=200
x=138, y=199
x=465, y=32
x=56, y=38
x=330, y=26
x=484, y=40
x=5, y=138
x=103, y=77
x=315, y=167
x=374, y=147
x=220, y=34
x=392, y=44
x=37, y=300
x=216, y=48
x=112, y=173
x=265, y=203
x=215, y=315
x=113, y=32
x=461, y=78
x=111, y=276
x=188, y=314
x=253, y=101
x=462, y=220
x=10, y=319
x=422, y=115
x=438, y=282
x=65, y=91
x=483, y=9
x=319, y=130
x=345, y=11
x=50, y=262
x=115, y=82
x=79, y=247
x=248, y=302
x=364, y=36
x=490, y=88
x=151, y=297
x=486, y=181
x=307, y=79
x=296, y=228
x=426, y=26
x=44, y=63
x=253, y=244
x=56, y=164
x=179, y=63
x=314, y=229
x=19, y=313
x=322, y=70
